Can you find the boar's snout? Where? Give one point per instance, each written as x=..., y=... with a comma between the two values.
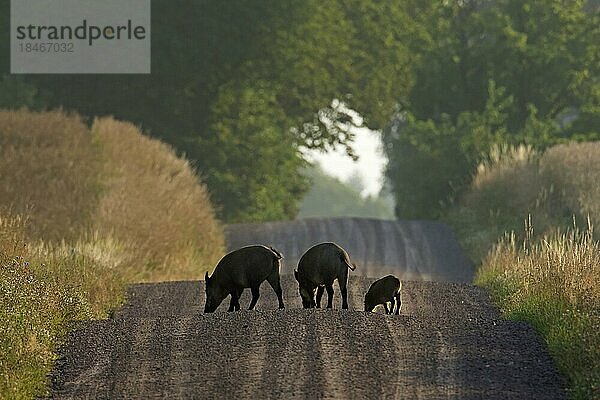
x=215, y=294
x=308, y=296
x=210, y=306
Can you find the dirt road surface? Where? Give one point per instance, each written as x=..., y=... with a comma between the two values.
x=415, y=250
x=448, y=343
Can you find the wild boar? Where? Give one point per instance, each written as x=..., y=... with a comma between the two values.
x=318, y=268
x=383, y=290
x=247, y=267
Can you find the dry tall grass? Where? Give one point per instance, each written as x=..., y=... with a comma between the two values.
x=550, y=277
x=110, y=181
x=554, y=284
x=49, y=171
x=154, y=199
x=43, y=290
x=104, y=207
x=563, y=265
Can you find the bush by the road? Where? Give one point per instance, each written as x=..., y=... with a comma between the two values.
x=71, y=181
x=84, y=211
x=153, y=200
x=50, y=172
x=548, y=276
x=512, y=183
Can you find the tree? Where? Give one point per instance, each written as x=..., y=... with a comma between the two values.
x=501, y=71
x=16, y=93
x=543, y=52
x=282, y=63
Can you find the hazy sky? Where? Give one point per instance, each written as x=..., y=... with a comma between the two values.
x=370, y=165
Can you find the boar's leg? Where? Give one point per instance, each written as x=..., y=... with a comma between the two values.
x=329, y=295
x=399, y=301
x=393, y=301
x=320, y=291
x=387, y=310
x=234, y=304
x=255, y=295
x=344, y=291
x=273, y=280
x=343, y=281
x=237, y=299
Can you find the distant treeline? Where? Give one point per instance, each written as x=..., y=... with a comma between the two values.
x=330, y=197
x=243, y=87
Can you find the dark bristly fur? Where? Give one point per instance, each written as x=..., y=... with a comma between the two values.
x=247, y=267
x=318, y=268
x=382, y=291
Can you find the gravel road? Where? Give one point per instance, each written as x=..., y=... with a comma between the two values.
x=415, y=250
x=448, y=342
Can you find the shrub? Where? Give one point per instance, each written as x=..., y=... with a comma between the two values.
x=50, y=172
x=112, y=182
x=574, y=171
x=154, y=200
x=514, y=182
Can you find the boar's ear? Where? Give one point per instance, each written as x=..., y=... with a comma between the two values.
x=206, y=278
x=296, y=275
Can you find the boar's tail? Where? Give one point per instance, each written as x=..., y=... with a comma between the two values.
x=276, y=253
x=346, y=260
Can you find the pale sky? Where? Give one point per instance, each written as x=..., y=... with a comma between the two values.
x=371, y=163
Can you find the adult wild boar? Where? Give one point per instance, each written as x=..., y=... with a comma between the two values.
x=247, y=267
x=318, y=268
x=383, y=290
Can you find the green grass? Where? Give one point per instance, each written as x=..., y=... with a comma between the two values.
x=548, y=276
x=43, y=292
x=570, y=334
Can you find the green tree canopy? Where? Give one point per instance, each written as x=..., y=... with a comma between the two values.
x=491, y=71
x=243, y=86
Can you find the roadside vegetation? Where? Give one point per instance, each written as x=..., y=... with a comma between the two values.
x=545, y=269
x=83, y=212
